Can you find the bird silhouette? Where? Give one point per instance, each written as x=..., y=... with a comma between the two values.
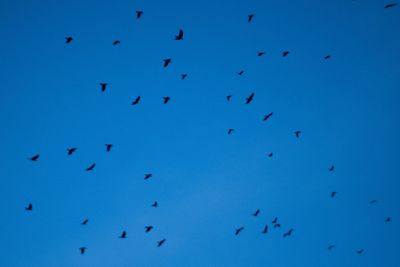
x=85, y=221
x=270, y=154
x=240, y=73
x=179, y=37
x=116, y=42
x=239, y=230
x=183, y=76
x=167, y=61
x=327, y=57
x=275, y=220
x=35, y=157
x=388, y=219
x=68, y=39
x=390, y=5
x=71, y=150
x=265, y=231
x=147, y=176
x=285, y=53
x=136, y=101
x=250, y=98
x=161, y=242
x=123, y=234
x=372, y=201
x=261, y=53
x=333, y=194
x=148, y=228
x=360, y=251
x=108, y=147
x=255, y=214
x=139, y=13
x=228, y=97
x=155, y=204
x=166, y=99
x=250, y=17
x=330, y=247
x=277, y=225
x=103, y=86
x=288, y=233
x=297, y=133
x=29, y=207
x=266, y=117
x=91, y=167
x=82, y=250
x=230, y=131
x=331, y=168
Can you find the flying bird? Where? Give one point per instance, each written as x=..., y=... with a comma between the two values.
x=261, y=53
x=147, y=176
x=331, y=168
x=155, y=204
x=228, y=97
x=179, y=37
x=275, y=220
x=390, y=5
x=35, y=157
x=68, y=39
x=103, y=86
x=266, y=117
x=230, y=131
x=333, y=194
x=388, y=219
x=71, y=150
x=265, y=231
x=85, y=222
x=250, y=17
x=148, y=228
x=166, y=99
x=123, y=235
x=277, y=225
x=327, y=57
x=240, y=73
x=360, y=251
x=139, y=13
x=166, y=61
x=270, y=155
x=288, y=233
x=136, y=101
x=249, y=98
x=372, y=201
x=183, y=76
x=330, y=247
x=297, y=133
x=285, y=53
x=255, y=214
x=116, y=42
x=108, y=147
x=82, y=250
x=91, y=167
x=29, y=207
x=161, y=242
x=239, y=230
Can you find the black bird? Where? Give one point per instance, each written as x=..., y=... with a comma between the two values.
x=240, y=73
x=388, y=219
x=147, y=176
x=108, y=147
x=288, y=233
x=155, y=204
x=390, y=5
x=255, y=214
x=68, y=39
x=239, y=230
x=250, y=17
x=360, y=251
x=161, y=242
x=330, y=247
x=266, y=117
x=183, y=76
x=230, y=131
x=179, y=37
x=103, y=86
x=270, y=155
x=85, y=222
x=277, y=225
x=228, y=97
x=29, y=207
x=250, y=98
x=275, y=220
x=331, y=168
x=265, y=231
x=123, y=235
x=327, y=57
x=136, y=101
x=166, y=61
x=285, y=53
x=166, y=99
x=297, y=133
x=116, y=42
x=83, y=250
x=148, y=228
x=71, y=150
x=139, y=13
x=261, y=53
x=333, y=194
x=35, y=157
x=91, y=167
x=372, y=201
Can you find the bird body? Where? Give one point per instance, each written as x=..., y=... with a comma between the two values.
x=250, y=98
x=147, y=176
x=123, y=234
x=266, y=117
x=155, y=204
x=167, y=61
x=230, y=131
x=148, y=228
x=91, y=167
x=70, y=151
x=139, y=13
x=82, y=250
x=250, y=17
x=85, y=222
x=255, y=214
x=136, y=101
x=161, y=242
x=29, y=207
x=288, y=233
x=228, y=97
x=179, y=37
x=68, y=39
x=116, y=42
x=108, y=147
x=166, y=99
x=285, y=53
x=35, y=157
x=237, y=232
x=390, y=5
x=265, y=231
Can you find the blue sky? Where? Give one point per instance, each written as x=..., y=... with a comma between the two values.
x=207, y=183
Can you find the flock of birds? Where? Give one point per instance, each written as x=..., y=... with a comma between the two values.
x=165, y=100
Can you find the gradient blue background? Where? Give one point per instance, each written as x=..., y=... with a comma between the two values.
x=206, y=182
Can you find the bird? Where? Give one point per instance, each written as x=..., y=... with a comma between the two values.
x=166, y=61
x=161, y=242
x=250, y=98
x=148, y=228
x=265, y=231
x=275, y=220
x=372, y=201
x=288, y=233
x=388, y=219
x=85, y=221
x=239, y=230
x=155, y=204
x=139, y=13
x=360, y=251
x=35, y=157
x=166, y=99
x=108, y=147
x=261, y=53
x=330, y=247
x=390, y=5
x=91, y=167
x=29, y=207
x=270, y=154
x=183, y=76
x=228, y=97
x=277, y=225
x=71, y=150
x=179, y=37
x=240, y=73
x=255, y=214
x=116, y=42
x=297, y=133
x=147, y=176
x=136, y=101
x=68, y=39
x=82, y=250
x=331, y=168
x=333, y=194
x=327, y=57
x=266, y=117
x=230, y=131
x=123, y=234
x=285, y=53
x=103, y=86
x=250, y=17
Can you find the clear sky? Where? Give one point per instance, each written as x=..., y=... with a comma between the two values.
x=207, y=183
